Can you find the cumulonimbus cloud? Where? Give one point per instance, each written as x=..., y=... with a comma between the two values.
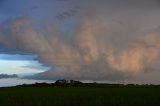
x=99, y=48
x=88, y=55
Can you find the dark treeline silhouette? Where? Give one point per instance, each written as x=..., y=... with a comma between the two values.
x=68, y=83
x=74, y=83
x=58, y=83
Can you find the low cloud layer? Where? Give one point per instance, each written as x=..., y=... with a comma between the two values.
x=4, y=76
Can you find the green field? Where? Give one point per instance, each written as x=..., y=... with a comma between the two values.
x=80, y=96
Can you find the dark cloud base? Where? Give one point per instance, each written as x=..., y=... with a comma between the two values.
x=4, y=76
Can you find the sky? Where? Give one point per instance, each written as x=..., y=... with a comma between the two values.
x=88, y=40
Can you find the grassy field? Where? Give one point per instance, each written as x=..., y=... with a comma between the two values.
x=80, y=96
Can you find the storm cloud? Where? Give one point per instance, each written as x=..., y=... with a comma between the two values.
x=110, y=40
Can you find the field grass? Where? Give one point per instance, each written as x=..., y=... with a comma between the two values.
x=80, y=96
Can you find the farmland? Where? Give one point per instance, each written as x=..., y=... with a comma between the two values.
x=96, y=95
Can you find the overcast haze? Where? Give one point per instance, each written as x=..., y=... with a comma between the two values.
x=93, y=40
